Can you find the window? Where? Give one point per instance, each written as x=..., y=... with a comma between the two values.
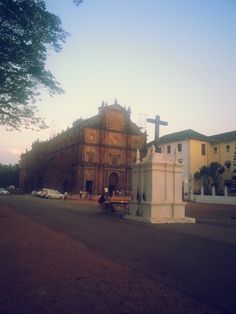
x=227, y=148
x=215, y=150
x=168, y=149
x=203, y=149
x=179, y=147
x=114, y=161
x=91, y=157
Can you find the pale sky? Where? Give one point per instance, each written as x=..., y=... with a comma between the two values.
x=175, y=58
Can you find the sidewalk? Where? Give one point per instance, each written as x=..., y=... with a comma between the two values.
x=42, y=271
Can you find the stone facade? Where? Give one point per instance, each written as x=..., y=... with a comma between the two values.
x=94, y=154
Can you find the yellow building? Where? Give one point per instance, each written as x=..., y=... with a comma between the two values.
x=196, y=150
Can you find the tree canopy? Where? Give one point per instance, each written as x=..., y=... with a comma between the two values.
x=9, y=175
x=27, y=31
x=78, y=2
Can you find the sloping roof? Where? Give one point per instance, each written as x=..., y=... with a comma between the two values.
x=183, y=135
x=227, y=136
x=191, y=134
x=93, y=122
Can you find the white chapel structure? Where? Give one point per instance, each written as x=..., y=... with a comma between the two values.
x=157, y=189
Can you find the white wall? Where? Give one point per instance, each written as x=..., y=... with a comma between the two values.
x=184, y=156
x=214, y=199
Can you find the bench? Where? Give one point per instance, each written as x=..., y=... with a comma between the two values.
x=116, y=206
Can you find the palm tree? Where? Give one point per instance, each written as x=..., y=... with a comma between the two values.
x=209, y=176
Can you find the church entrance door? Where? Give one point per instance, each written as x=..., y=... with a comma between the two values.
x=89, y=186
x=113, y=183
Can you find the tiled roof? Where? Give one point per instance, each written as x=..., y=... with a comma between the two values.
x=183, y=135
x=191, y=134
x=227, y=136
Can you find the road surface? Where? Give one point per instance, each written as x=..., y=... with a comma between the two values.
x=198, y=260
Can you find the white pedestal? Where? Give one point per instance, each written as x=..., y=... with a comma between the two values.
x=157, y=190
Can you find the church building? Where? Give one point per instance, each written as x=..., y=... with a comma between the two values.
x=92, y=155
x=196, y=150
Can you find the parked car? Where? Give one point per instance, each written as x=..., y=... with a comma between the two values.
x=36, y=193
x=11, y=187
x=49, y=193
x=4, y=191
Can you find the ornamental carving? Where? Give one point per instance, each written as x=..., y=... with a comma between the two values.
x=114, y=139
x=115, y=121
x=91, y=136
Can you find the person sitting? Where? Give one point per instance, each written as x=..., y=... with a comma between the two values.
x=102, y=199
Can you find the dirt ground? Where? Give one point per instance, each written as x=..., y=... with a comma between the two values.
x=42, y=271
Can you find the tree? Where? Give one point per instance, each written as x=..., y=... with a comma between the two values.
x=209, y=175
x=9, y=175
x=78, y=2
x=27, y=31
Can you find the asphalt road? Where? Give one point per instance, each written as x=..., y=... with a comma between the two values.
x=197, y=259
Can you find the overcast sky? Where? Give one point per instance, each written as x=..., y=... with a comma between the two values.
x=175, y=58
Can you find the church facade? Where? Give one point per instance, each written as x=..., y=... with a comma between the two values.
x=93, y=155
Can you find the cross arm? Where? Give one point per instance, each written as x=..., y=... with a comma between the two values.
x=151, y=120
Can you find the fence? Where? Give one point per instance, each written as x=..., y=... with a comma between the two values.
x=214, y=199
